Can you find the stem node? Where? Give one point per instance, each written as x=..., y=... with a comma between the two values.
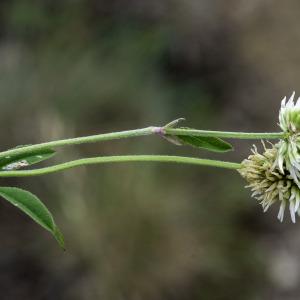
x=158, y=130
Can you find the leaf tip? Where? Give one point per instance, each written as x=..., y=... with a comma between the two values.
x=174, y=123
x=59, y=238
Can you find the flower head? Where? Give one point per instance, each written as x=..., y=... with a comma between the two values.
x=269, y=184
x=288, y=155
x=289, y=115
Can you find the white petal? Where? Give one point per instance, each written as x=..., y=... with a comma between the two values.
x=297, y=202
x=255, y=193
x=267, y=207
x=290, y=103
x=283, y=102
x=281, y=211
x=280, y=163
x=292, y=211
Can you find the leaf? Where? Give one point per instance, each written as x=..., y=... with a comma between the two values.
x=205, y=142
x=210, y=143
x=25, y=159
x=34, y=208
x=174, y=123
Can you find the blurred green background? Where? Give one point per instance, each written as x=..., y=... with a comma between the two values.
x=146, y=231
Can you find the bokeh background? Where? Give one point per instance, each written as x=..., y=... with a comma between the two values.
x=146, y=231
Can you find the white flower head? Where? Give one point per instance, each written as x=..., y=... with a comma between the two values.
x=289, y=147
x=289, y=115
x=270, y=185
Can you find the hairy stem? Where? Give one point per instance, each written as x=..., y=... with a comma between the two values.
x=125, y=158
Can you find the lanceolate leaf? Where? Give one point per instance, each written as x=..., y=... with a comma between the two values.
x=209, y=143
x=23, y=160
x=34, y=208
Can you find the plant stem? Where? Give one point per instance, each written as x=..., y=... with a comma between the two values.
x=80, y=140
x=225, y=134
x=139, y=132
x=125, y=158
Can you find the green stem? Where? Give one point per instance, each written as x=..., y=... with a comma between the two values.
x=125, y=158
x=79, y=140
x=139, y=132
x=226, y=134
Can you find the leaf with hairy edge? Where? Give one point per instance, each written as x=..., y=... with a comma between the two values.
x=34, y=208
x=205, y=142
x=25, y=159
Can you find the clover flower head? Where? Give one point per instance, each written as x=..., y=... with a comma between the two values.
x=289, y=115
x=288, y=155
x=270, y=185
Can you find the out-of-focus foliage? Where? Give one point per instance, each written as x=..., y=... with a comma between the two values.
x=141, y=231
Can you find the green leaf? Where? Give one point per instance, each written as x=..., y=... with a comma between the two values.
x=174, y=123
x=25, y=159
x=34, y=208
x=205, y=142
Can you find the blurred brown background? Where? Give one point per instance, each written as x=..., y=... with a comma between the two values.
x=146, y=231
